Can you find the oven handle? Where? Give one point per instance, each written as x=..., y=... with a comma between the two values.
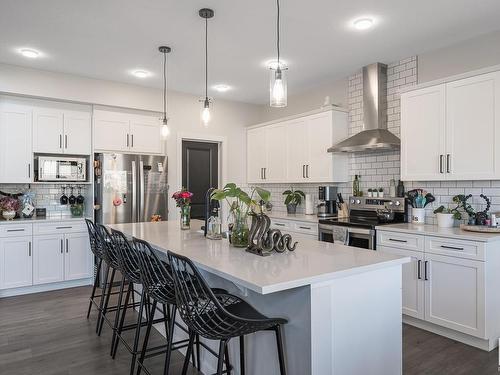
x=368, y=232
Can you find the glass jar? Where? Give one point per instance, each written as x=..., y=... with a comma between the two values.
x=185, y=217
x=239, y=232
x=214, y=226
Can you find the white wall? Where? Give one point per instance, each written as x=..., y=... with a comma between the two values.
x=476, y=53
x=229, y=119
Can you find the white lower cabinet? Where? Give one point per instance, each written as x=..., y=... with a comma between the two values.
x=77, y=258
x=48, y=259
x=16, y=264
x=307, y=228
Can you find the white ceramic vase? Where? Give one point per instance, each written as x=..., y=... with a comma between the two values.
x=418, y=215
x=445, y=220
x=8, y=215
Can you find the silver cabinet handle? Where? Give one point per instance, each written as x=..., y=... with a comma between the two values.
x=452, y=247
x=265, y=173
x=303, y=171
x=67, y=246
x=396, y=240
x=132, y=141
x=425, y=270
x=16, y=230
x=127, y=140
x=29, y=170
x=62, y=245
x=308, y=228
x=65, y=141
x=29, y=248
x=441, y=170
x=60, y=140
x=64, y=227
x=448, y=162
x=307, y=170
x=419, y=272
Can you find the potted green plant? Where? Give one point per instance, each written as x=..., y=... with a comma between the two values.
x=292, y=199
x=370, y=192
x=240, y=206
x=375, y=193
x=446, y=216
x=380, y=192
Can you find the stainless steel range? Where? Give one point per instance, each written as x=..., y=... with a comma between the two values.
x=365, y=214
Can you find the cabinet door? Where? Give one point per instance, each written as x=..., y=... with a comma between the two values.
x=145, y=135
x=15, y=264
x=111, y=134
x=256, y=155
x=423, y=134
x=77, y=134
x=48, y=259
x=473, y=128
x=413, y=283
x=77, y=257
x=15, y=144
x=296, y=150
x=48, y=130
x=319, y=164
x=454, y=293
x=275, y=168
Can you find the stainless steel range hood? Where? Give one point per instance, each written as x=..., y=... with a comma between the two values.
x=374, y=135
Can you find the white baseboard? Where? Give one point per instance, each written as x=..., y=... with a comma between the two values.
x=484, y=344
x=45, y=287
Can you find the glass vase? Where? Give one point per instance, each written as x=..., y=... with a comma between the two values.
x=185, y=217
x=239, y=232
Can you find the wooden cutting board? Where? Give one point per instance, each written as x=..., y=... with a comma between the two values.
x=480, y=228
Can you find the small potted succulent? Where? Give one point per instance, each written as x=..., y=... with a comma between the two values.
x=9, y=207
x=375, y=193
x=380, y=192
x=370, y=192
x=446, y=216
x=293, y=199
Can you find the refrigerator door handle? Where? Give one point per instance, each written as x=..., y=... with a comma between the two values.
x=141, y=191
x=134, y=192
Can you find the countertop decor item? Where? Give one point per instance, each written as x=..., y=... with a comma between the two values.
x=27, y=204
x=183, y=201
x=206, y=13
x=356, y=190
x=293, y=198
x=263, y=241
x=241, y=204
x=380, y=192
x=9, y=207
x=418, y=198
x=475, y=218
x=480, y=228
x=400, y=190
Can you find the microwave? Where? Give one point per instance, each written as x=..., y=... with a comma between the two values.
x=55, y=168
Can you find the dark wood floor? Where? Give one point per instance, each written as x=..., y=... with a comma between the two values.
x=47, y=334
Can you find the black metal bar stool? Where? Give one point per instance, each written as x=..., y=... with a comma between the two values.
x=96, y=245
x=217, y=316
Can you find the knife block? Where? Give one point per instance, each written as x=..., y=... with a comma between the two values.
x=343, y=210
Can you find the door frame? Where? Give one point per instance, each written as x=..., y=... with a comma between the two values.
x=222, y=154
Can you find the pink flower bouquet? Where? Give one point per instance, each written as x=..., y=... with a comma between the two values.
x=182, y=197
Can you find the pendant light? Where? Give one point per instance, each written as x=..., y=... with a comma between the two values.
x=165, y=131
x=205, y=112
x=277, y=83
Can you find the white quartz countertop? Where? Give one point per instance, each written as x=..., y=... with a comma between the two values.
x=311, y=262
x=296, y=217
x=54, y=219
x=434, y=230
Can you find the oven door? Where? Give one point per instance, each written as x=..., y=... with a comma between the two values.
x=360, y=237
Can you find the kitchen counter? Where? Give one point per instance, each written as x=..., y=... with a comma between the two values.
x=330, y=294
x=295, y=217
x=434, y=230
x=54, y=219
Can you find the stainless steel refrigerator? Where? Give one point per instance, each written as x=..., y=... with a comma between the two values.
x=130, y=188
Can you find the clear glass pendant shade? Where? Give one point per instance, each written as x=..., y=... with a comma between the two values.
x=205, y=113
x=278, y=88
x=165, y=130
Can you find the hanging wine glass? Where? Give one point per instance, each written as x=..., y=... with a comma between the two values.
x=64, y=198
x=72, y=198
x=80, y=198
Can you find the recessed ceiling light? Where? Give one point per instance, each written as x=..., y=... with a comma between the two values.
x=141, y=73
x=273, y=64
x=30, y=53
x=222, y=87
x=363, y=23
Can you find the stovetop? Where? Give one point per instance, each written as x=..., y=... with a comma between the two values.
x=357, y=222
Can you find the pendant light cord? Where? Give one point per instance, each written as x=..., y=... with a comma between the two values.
x=278, y=31
x=164, y=85
x=206, y=58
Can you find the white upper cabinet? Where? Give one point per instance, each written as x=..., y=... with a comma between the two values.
x=449, y=131
x=118, y=131
x=423, y=134
x=473, y=128
x=57, y=131
x=15, y=143
x=295, y=150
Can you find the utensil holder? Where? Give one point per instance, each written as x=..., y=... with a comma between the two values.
x=418, y=215
x=343, y=211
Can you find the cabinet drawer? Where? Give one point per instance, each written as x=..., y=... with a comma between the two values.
x=280, y=224
x=455, y=248
x=304, y=227
x=404, y=241
x=15, y=230
x=60, y=227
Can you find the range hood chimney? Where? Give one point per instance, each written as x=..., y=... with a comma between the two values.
x=374, y=135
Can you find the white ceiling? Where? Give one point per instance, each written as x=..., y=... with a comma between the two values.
x=108, y=38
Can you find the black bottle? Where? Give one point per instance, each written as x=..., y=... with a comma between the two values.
x=400, y=191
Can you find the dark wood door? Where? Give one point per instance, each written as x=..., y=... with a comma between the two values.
x=200, y=171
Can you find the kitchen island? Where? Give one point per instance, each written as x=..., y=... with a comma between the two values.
x=343, y=304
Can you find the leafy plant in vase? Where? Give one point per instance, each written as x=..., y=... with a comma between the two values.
x=446, y=216
x=240, y=206
x=293, y=199
x=183, y=201
x=9, y=207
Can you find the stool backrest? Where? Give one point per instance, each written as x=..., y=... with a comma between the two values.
x=155, y=274
x=111, y=255
x=128, y=256
x=96, y=241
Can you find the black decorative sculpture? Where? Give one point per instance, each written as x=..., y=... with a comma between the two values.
x=263, y=241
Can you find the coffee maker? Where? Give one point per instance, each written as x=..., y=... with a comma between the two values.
x=327, y=206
